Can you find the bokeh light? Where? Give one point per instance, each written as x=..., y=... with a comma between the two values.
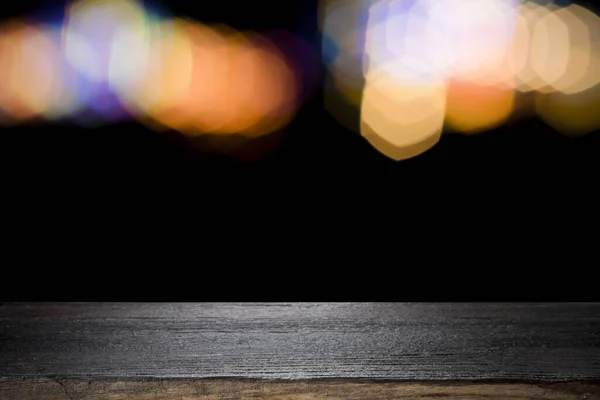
x=571, y=114
x=104, y=39
x=343, y=24
x=473, y=107
x=481, y=56
x=401, y=119
x=110, y=60
x=399, y=70
x=105, y=42
x=203, y=79
x=20, y=45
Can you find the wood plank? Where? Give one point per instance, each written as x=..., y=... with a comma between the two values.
x=228, y=389
x=397, y=341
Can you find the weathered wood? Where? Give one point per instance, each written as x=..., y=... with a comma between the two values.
x=397, y=341
x=225, y=389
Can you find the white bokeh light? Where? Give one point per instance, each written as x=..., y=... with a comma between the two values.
x=429, y=38
x=105, y=39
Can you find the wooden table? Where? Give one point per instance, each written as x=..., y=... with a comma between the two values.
x=299, y=351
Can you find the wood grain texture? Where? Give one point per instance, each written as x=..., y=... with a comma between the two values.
x=388, y=341
x=225, y=389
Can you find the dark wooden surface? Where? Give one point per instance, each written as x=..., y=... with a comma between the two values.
x=542, y=342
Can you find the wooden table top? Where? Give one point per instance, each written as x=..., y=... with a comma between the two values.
x=389, y=341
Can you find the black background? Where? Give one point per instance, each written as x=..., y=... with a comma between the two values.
x=313, y=147
x=57, y=178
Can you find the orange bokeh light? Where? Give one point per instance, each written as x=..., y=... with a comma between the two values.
x=216, y=80
x=27, y=75
x=473, y=107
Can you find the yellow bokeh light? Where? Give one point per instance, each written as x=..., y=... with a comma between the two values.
x=584, y=71
x=525, y=50
x=202, y=80
x=401, y=119
x=571, y=114
x=550, y=50
x=167, y=77
x=577, y=57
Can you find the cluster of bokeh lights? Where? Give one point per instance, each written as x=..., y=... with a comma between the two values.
x=411, y=69
x=111, y=60
x=416, y=68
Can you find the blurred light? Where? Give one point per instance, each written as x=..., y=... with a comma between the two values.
x=343, y=24
x=68, y=98
x=13, y=35
x=584, y=60
x=577, y=53
x=571, y=101
x=202, y=79
x=348, y=78
x=470, y=39
x=32, y=81
x=167, y=76
x=473, y=107
x=428, y=39
x=129, y=55
x=529, y=51
x=271, y=99
x=400, y=40
x=342, y=27
x=194, y=92
x=571, y=114
x=401, y=119
x=246, y=87
x=105, y=42
x=96, y=33
x=550, y=49
x=37, y=77
x=406, y=66
x=35, y=80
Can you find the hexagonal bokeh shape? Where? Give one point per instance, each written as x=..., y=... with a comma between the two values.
x=402, y=119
